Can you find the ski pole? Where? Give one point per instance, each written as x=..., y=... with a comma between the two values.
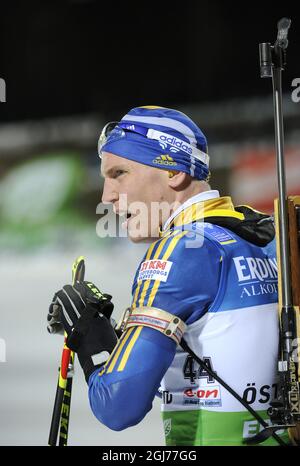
x=62, y=403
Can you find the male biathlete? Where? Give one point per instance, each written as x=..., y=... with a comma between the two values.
x=209, y=275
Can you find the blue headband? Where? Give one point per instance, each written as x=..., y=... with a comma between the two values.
x=149, y=136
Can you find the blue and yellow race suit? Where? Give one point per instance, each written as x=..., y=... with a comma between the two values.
x=222, y=282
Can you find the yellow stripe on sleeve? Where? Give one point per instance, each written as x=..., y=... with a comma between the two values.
x=148, y=255
x=129, y=348
x=166, y=256
x=119, y=349
x=104, y=367
x=111, y=355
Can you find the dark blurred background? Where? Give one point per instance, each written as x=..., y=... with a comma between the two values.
x=80, y=56
x=70, y=66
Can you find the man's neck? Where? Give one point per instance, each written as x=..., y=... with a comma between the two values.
x=199, y=197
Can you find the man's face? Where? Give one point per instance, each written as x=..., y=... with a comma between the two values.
x=138, y=191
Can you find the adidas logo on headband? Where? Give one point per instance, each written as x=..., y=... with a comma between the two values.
x=177, y=144
x=164, y=160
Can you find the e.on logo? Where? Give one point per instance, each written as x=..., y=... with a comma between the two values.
x=204, y=393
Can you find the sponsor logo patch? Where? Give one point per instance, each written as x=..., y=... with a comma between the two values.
x=256, y=275
x=164, y=160
x=155, y=270
x=175, y=142
x=255, y=268
x=205, y=396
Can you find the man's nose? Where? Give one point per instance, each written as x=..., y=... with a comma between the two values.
x=109, y=194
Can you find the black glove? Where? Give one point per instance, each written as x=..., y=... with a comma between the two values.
x=84, y=313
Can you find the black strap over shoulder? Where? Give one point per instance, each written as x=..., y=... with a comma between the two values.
x=257, y=228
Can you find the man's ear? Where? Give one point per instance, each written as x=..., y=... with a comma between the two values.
x=178, y=180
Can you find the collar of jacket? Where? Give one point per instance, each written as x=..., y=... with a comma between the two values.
x=248, y=223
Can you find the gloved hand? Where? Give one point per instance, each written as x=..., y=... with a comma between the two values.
x=84, y=312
